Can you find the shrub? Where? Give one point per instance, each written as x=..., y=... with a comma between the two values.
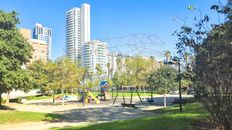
x=16, y=100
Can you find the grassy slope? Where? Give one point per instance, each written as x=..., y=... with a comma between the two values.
x=12, y=116
x=164, y=119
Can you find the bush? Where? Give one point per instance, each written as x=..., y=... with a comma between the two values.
x=16, y=100
x=3, y=101
x=211, y=66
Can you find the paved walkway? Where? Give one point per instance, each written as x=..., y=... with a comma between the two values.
x=77, y=115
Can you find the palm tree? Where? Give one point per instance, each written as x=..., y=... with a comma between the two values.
x=152, y=62
x=99, y=70
x=167, y=54
x=108, y=68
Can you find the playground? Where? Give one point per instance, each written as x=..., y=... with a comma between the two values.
x=89, y=107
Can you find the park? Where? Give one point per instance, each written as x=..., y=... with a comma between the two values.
x=43, y=114
x=188, y=88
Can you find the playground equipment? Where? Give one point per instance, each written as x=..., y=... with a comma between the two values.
x=151, y=99
x=132, y=89
x=88, y=96
x=104, y=85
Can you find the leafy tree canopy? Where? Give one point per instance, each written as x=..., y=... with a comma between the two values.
x=163, y=79
x=15, y=52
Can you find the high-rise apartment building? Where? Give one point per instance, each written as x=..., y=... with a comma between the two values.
x=77, y=31
x=95, y=52
x=73, y=34
x=39, y=47
x=44, y=34
x=85, y=23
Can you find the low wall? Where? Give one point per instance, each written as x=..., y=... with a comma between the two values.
x=18, y=93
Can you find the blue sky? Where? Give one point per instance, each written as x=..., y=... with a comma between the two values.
x=112, y=20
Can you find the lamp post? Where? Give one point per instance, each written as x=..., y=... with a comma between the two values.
x=175, y=60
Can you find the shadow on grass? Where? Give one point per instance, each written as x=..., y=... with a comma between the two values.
x=168, y=119
x=9, y=115
x=3, y=107
x=54, y=118
x=148, y=123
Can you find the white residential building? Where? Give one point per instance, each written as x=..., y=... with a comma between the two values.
x=85, y=23
x=95, y=52
x=85, y=26
x=45, y=34
x=73, y=34
x=77, y=31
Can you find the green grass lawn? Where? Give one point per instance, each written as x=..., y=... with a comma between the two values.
x=12, y=116
x=163, y=119
x=38, y=97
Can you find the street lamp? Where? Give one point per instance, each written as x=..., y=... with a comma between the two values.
x=175, y=60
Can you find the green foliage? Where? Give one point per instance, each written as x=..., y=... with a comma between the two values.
x=15, y=51
x=99, y=70
x=116, y=80
x=62, y=75
x=164, y=119
x=134, y=71
x=211, y=47
x=40, y=73
x=54, y=75
x=163, y=79
x=3, y=101
x=90, y=84
x=67, y=74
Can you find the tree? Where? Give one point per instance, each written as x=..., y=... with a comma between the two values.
x=99, y=70
x=67, y=75
x=15, y=51
x=163, y=80
x=133, y=71
x=108, y=69
x=40, y=73
x=50, y=72
x=211, y=47
x=167, y=55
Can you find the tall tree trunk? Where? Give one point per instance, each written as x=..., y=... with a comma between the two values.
x=8, y=97
x=72, y=92
x=0, y=98
x=165, y=104
x=53, y=96
x=227, y=126
x=151, y=93
x=77, y=96
x=43, y=92
x=62, y=94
